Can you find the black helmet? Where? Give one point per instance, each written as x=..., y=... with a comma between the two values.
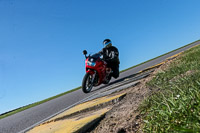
x=107, y=43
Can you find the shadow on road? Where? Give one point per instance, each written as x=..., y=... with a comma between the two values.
x=116, y=81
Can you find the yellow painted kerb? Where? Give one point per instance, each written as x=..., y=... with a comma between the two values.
x=68, y=125
x=86, y=105
x=63, y=124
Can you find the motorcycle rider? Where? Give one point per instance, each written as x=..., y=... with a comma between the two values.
x=111, y=56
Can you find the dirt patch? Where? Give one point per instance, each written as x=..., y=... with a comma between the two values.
x=125, y=116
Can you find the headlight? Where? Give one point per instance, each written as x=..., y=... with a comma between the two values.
x=91, y=63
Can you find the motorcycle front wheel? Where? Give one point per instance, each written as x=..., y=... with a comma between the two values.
x=87, y=83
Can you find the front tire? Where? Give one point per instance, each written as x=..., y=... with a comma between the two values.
x=87, y=84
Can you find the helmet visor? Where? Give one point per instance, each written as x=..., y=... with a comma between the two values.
x=107, y=44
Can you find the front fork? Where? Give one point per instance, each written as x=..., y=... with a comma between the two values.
x=93, y=74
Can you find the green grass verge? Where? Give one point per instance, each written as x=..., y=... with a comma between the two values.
x=157, y=57
x=35, y=104
x=175, y=104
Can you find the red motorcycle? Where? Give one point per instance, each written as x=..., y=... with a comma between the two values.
x=96, y=72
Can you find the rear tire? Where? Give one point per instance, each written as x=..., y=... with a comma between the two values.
x=108, y=80
x=87, y=84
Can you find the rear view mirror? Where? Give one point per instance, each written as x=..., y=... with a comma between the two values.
x=84, y=52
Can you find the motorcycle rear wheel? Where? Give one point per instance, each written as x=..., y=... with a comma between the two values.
x=87, y=84
x=107, y=81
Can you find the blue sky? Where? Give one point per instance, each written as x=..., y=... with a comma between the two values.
x=41, y=41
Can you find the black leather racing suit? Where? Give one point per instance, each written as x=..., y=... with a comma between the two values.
x=111, y=56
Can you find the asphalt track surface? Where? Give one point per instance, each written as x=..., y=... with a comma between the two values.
x=24, y=120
